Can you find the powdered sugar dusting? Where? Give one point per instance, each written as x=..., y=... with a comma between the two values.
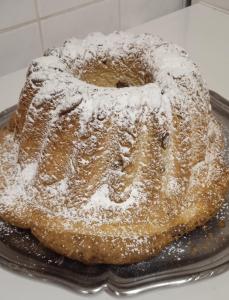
x=101, y=200
x=19, y=178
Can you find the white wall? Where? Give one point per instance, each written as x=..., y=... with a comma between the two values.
x=27, y=27
x=219, y=3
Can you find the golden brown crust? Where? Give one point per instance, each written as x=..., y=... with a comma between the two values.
x=82, y=244
x=104, y=249
x=92, y=249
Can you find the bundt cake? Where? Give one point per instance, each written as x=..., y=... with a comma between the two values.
x=113, y=151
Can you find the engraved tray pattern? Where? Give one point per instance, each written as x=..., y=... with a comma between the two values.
x=201, y=254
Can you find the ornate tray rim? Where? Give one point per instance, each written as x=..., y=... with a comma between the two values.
x=114, y=284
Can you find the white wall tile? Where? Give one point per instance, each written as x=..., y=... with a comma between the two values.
x=13, y=12
x=62, y=19
x=47, y=7
x=134, y=12
x=101, y=16
x=18, y=47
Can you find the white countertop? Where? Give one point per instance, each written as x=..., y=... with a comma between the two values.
x=204, y=33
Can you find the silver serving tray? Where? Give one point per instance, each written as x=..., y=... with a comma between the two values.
x=201, y=254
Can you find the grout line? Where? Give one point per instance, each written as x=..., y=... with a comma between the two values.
x=39, y=25
x=6, y=29
x=16, y=26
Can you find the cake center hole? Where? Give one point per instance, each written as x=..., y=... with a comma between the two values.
x=105, y=72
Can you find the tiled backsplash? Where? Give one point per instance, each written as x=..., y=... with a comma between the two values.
x=99, y=16
x=27, y=27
